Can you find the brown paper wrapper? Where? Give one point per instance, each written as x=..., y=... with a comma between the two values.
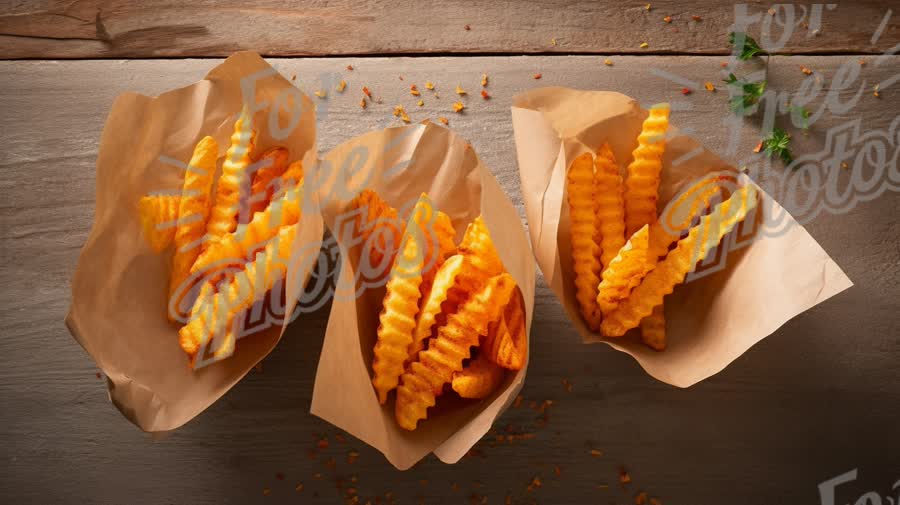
x=119, y=289
x=710, y=320
x=400, y=164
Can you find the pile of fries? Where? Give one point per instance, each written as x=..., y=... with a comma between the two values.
x=231, y=243
x=626, y=258
x=451, y=314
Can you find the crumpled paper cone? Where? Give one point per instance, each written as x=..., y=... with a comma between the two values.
x=120, y=286
x=400, y=164
x=739, y=299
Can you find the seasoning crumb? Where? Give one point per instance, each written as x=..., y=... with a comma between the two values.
x=709, y=86
x=429, y=85
x=556, y=470
x=341, y=86
x=553, y=41
x=875, y=92
x=805, y=70
x=459, y=90
x=352, y=456
x=844, y=165
x=267, y=492
x=299, y=487
x=279, y=476
x=654, y=501
x=454, y=486
x=647, y=7
x=484, y=80
x=685, y=91
x=445, y=122
x=758, y=147
x=535, y=483
x=420, y=103
x=294, y=77
x=367, y=92
x=724, y=64
x=322, y=443
x=602, y=486
x=667, y=19
x=320, y=93
x=862, y=62
x=640, y=498
x=458, y=107
x=771, y=11
x=97, y=375
x=596, y=453
x=644, y=45
x=400, y=77
x=350, y=67
x=624, y=478
x=485, y=95
x=697, y=18
x=467, y=27
x=538, y=76
x=568, y=385
x=436, y=94
x=608, y=62
x=362, y=102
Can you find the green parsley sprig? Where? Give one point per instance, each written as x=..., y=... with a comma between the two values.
x=744, y=47
x=777, y=143
x=747, y=95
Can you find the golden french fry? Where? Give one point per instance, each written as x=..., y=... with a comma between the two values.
x=212, y=315
x=193, y=211
x=443, y=281
x=479, y=379
x=609, y=206
x=237, y=246
x=681, y=212
x=425, y=378
x=642, y=182
x=506, y=343
x=293, y=175
x=672, y=270
x=586, y=264
x=378, y=227
x=625, y=271
x=653, y=329
x=401, y=302
x=273, y=163
x=223, y=218
x=159, y=216
x=481, y=263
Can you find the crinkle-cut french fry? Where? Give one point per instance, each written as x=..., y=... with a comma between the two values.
x=672, y=270
x=643, y=175
x=193, y=211
x=378, y=227
x=625, y=271
x=443, y=281
x=681, y=212
x=238, y=246
x=401, y=302
x=479, y=379
x=653, y=329
x=246, y=287
x=425, y=378
x=586, y=265
x=273, y=162
x=481, y=263
x=609, y=206
x=506, y=343
x=159, y=215
x=223, y=218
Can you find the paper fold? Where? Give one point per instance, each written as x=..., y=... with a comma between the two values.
x=747, y=291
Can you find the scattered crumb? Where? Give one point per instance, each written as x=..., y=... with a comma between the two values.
x=423, y=482
x=647, y=7
x=420, y=103
x=350, y=67
x=467, y=27
x=322, y=443
x=367, y=92
x=771, y=11
x=294, y=77
x=362, y=102
x=624, y=478
x=685, y=91
x=341, y=86
x=844, y=165
x=644, y=45
x=320, y=93
x=485, y=95
x=429, y=85
x=458, y=107
x=758, y=147
x=352, y=456
x=484, y=80
x=709, y=86
x=667, y=19
x=535, y=483
x=556, y=470
x=608, y=62
x=862, y=62
x=299, y=487
x=805, y=70
x=445, y=122
x=538, y=76
x=568, y=385
x=459, y=90
x=279, y=476
x=640, y=498
x=97, y=375
x=596, y=453
x=602, y=486
x=400, y=77
x=724, y=64
x=697, y=18
x=654, y=501
x=553, y=41
x=414, y=90
x=267, y=492
x=875, y=92
x=518, y=402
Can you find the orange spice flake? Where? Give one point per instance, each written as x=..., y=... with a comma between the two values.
x=429, y=85
x=458, y=107
x=667, y=19
x=420, y=103
x=322, y=443
x=538, y=76
x=568, y=385
x=320, y=93
x=362, y=102
x=709, y=86
x=640, y=498
x=624, y=478
x=299, y=487
x=596, y=453
x=805, y=70
x=556, y=470
x=267, y=492
x=535, y=483
x=485, y=95
x=341, y=86
x=484, y=80
x=460, y=91
x=697, y=18
x=414, y=90
x=444, y=121
x=655, y=501
x=644, y=45
x=350, y=67
x=367, y=92
x=352, y=456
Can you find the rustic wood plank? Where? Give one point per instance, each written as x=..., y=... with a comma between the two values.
x=166, y=28
x=818, y=398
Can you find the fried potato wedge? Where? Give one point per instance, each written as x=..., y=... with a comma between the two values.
x=679, y=262
x=425, y=377
x=479, y=379
x=586, y=264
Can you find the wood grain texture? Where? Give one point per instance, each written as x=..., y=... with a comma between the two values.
x=167, y=28
x=818, y=398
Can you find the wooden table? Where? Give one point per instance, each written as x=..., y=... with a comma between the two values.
x=817, y=399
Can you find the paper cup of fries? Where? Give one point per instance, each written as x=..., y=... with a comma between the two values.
x=427, y=341
x=653, y=244
x=203, y=238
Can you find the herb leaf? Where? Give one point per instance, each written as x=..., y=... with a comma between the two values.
x=743, y=46
x=799, y=114
x=777, y=143
x=747, y=95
